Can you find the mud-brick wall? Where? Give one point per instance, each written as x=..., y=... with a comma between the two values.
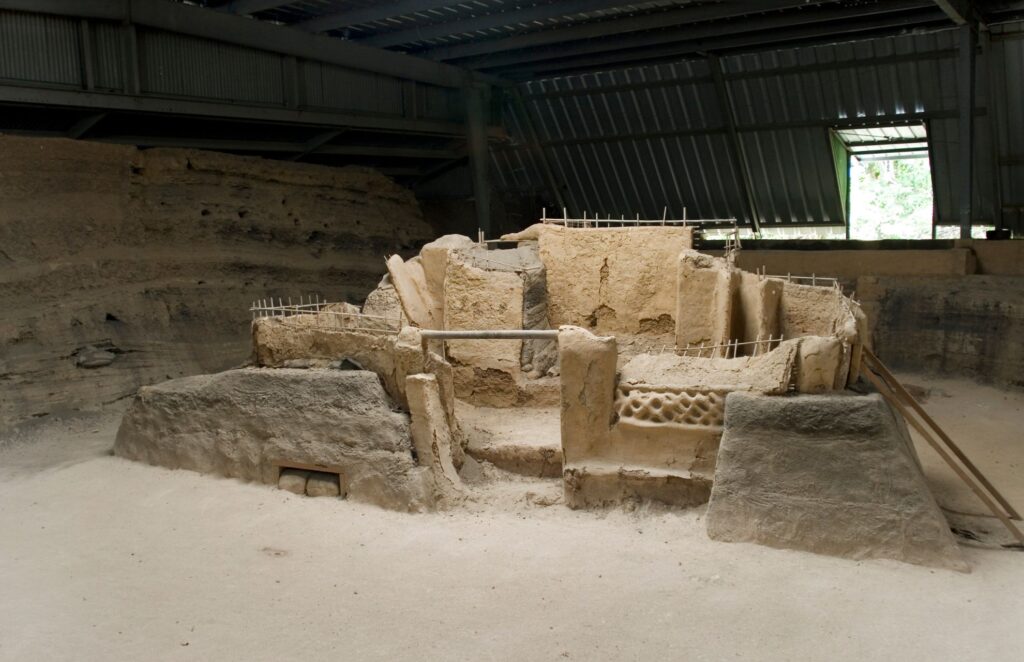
x=156, y=255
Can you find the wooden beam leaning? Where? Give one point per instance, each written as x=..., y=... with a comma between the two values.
x=894, y=400
x=894, y=384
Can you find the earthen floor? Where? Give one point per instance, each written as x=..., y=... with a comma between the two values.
x=101, y=558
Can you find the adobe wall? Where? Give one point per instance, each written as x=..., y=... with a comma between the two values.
x=611, y=280
x=954, y=310
x=156, y=256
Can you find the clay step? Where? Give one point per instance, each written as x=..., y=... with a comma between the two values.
x=602, y=484
x=524, y=440
x=533, y=460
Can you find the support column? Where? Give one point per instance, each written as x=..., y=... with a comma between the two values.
x=476, y=121
x=132, y=76
x=292, y=83
x=965, y=103
x=994, y=117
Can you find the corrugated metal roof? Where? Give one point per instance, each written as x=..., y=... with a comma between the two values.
x=180, y=65
x=451, y=13
x=21, y=59
x=640, y=139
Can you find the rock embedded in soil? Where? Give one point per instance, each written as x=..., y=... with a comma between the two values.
x=323, y=484
x=293, y=480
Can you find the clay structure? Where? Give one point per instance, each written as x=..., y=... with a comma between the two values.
x=654, y=353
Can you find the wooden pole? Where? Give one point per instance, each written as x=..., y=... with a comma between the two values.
x=895, y=402
x=898, y=388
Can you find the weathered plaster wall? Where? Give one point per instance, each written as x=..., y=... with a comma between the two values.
x=156, y=255
x=618, y=280
x=483, y=299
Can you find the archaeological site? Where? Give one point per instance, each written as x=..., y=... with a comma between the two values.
x=500, y=330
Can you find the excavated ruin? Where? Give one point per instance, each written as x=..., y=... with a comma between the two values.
x=678, y=377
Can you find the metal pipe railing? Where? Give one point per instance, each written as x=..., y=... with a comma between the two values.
x=513, y=334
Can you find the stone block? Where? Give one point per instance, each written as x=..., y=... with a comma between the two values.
x=819, y=360
x=321, y=484
x=242, y=423
x=705, y=299
x=587, y=364
x=293, y=480
x=830, y=474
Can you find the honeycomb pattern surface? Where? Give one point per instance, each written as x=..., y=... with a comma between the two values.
x=679, y=407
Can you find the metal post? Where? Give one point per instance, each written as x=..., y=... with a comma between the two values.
x=476, y=120
x=965, y=96
x=491, y=334
x=410, y=100
x=132, y=77
x=739, y=157
x=292, y=83
x=993, y=117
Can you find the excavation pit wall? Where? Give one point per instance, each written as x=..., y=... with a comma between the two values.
x=121, y=267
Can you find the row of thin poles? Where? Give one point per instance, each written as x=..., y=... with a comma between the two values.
x=316, y=308
x=596, y=220
x=814, y=279
x=269, y=308
x=729, y=350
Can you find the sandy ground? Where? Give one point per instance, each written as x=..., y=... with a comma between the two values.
x=105, y=559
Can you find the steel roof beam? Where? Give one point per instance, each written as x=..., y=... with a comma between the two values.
x=214, y=109
x=378, y=11
x=751, y=33
x=274, y=146
x=850, y=31
x=490, y=21
x=316, y=142
x=959, y=11
x=228, y=28
x=617, y=27
x=84, y=125
x=252, y=6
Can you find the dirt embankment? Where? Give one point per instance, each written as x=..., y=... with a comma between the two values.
x=142, y=264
